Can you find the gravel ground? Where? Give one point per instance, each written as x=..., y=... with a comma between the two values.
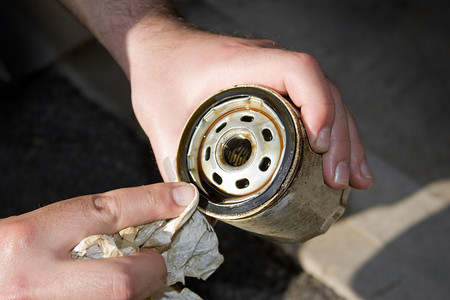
x=56, y=144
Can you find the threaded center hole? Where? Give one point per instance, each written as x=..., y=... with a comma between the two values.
x=237, y=151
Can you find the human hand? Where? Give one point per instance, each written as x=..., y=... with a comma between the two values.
x=173, y=67
x=35, y=248
x=170, y=78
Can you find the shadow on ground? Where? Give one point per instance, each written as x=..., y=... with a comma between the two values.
x=396, y=278
x=57, y=145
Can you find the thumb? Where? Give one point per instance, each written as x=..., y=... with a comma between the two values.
x=74, y=219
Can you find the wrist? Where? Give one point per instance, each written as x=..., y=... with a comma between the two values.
x=150, y=43
x=114, y=22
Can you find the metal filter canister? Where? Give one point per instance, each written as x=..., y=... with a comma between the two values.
x=247, y=152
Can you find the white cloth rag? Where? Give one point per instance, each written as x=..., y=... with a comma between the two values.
x=188, y=244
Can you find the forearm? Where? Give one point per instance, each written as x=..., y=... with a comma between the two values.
x=116, y=23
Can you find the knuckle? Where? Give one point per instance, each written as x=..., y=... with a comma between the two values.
x=106, y=207
x=306, y=60
x=267, y=43
x=233, y=48
x=152, y=197
x=14, y=288
x=122, y=284
x=16, y=235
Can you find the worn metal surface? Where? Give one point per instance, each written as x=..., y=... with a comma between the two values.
x=295, y=206
x=307, y=208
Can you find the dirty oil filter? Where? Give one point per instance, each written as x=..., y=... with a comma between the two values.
x=248, y=154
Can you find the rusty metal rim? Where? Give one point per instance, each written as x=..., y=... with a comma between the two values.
x=286, y=173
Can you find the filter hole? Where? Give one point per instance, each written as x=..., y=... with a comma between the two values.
x=242, y=183
x=264, y=164
x=267, y=135
x=217, y=178
x=207, y=153
x=222, y=126
x=237, y=151
x=247, y=118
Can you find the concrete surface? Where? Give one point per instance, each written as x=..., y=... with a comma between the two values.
x=391, y=61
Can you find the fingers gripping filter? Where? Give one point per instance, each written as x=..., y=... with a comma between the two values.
x=244, y=148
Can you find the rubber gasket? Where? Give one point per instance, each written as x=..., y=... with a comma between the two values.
x=285, y=115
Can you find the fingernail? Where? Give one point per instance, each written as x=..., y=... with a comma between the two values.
x=323, y=140
x=341, y=176
x=184, y=194
x=365, y=170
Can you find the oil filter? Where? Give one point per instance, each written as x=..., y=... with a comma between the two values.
x=248, y=154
